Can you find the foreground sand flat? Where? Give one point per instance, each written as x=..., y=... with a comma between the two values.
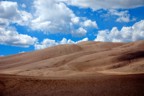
x=109, y=85
x=84, y=69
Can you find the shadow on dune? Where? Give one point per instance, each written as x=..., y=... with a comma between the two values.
x=131, y=56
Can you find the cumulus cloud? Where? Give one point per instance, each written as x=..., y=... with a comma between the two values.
x=53, y=16
x=84, y=39
x=89, y=23
x=9, y=36
x=126, y=34
x=10, y=13
x=79, y=32
x=106, y=4
x=122, y=16
x=48, y=16
x=45, y=43
x=8, y=9
x=49, y=42
x=65, y=41
x=3, y=22
x=75, y=20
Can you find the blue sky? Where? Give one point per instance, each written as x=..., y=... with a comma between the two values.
x=28, y=25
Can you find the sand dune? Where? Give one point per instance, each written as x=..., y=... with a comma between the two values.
x=83, y=69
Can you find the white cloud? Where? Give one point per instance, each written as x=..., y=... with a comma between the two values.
x=106, y=4
x=8, y=9
x=45, y=43
x=79, y=32
x=3, y=22
x=23, y=19
x=48, y=16
x=84, y=39
x=102, y=35
x=89, y=23
x=126, y=34
x=65, y=41
x=53, y=16
x=49, y=42
x=75, y=20
x=9, y=36
x=10, y=12
x=122, y=16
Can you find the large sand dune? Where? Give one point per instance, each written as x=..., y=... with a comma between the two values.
x=85, y=69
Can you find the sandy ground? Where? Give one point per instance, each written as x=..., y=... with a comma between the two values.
x=84, y=69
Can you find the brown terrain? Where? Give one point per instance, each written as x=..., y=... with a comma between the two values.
x=83, y=69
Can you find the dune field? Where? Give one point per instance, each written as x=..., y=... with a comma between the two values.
x=84, y=69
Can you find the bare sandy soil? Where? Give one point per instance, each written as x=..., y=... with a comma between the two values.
x=85, y=69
